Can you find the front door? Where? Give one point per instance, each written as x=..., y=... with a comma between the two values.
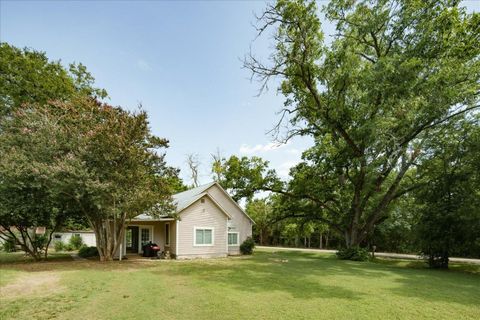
x=132, y=240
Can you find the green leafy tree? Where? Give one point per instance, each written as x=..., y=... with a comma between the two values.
x=29, y=145
x=371, y=100
x=28, y=76
x=117, y=170
x=260, y=210
x=397, y=233
x=450, y=216
x=104, y=160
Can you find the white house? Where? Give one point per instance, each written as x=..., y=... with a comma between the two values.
x=210, y=224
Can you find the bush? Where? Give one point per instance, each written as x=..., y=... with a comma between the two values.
x=354, y=253
x=76, y=241
x=59, y=246
x=247, y=246
x=9, y=245
x=40, y=242
x=86, y=252
x=68, y=247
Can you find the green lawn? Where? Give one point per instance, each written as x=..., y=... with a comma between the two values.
x=268, y=285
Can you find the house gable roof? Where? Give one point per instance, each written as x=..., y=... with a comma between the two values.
x=230, y=199
x=185, y=199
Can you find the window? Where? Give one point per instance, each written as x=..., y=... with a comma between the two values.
x=203, y=237
x=145, y=236
x=129, y=239
x=167, y=234
x=233, y=238
x=58, y=236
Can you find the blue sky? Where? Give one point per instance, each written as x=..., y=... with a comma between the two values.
x=180, y=60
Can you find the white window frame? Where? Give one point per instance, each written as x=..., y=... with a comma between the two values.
x=150, y=236
x=195, y=244
x=167, y=239
x=238, y=239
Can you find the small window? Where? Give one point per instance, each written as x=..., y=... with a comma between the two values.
x=202, y=200
x=167, y=234
x=58, y=236
x=129, y=239
x=203, y=237
x=233, y=238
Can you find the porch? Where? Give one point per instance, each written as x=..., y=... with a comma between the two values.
x=140, y=232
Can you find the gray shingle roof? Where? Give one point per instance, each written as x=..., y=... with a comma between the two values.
x=181, y=200
x=185, y=198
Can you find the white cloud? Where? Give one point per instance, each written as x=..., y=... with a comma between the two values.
x=284, y=168
x=143, y=65
x=260, y=148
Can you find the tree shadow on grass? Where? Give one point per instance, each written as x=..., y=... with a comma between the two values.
x=256, y=276
x=302, y=276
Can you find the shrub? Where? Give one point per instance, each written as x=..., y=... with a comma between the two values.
x=354, y=253
x=9, y=245
x=76, y=241
x=247, y=246
x=86, y=252
x=68, y=247
x=59, y=246
x=40, y=242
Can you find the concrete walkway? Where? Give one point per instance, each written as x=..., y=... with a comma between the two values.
x=378, y=254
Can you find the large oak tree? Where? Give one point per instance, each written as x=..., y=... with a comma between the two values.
x=371, y=100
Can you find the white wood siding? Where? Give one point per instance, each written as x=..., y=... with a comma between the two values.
x=199, y=214
x=88, y=238
x=239, y=223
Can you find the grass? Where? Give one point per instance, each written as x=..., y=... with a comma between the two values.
x=267, y=285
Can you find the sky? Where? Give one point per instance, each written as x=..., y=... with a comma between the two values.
x=180, y=60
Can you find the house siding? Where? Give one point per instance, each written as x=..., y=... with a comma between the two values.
x=199, y=214
x=239, y=223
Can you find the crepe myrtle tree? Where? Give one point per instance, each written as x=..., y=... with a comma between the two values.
x=29, y=149
x=118, y=170
x=370, y=100
x=107, y=161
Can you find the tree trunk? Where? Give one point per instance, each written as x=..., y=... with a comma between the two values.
x=320, y=241
x=326, y=241
x=50, y=240
x=108, y=237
